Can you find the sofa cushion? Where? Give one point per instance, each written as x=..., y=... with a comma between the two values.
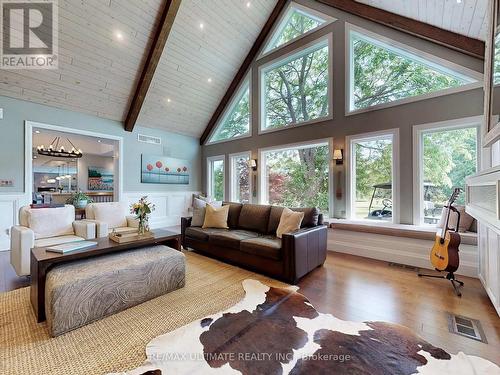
x=112, y=213
x=51, y=222
x=254, y=217
x=311, y=217
x=264, y=246
x=234, y=213
x=231, y=239
x=201, y=234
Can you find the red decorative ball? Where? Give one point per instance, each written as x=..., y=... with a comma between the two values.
x=167, y=169
x=159, y=164
x=149, y=167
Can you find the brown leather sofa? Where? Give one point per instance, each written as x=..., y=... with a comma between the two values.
x=251, y=241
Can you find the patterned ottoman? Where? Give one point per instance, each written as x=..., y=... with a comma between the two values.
x=81, y=292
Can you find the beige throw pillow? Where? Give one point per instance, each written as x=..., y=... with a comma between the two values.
x=216, y=217
x=289, y=222
x=465, y=219
x=198, y=217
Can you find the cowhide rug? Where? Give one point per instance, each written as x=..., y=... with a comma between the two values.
x=277, y=331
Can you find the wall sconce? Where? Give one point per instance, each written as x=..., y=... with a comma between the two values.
x=338, y=156
x=253, y=164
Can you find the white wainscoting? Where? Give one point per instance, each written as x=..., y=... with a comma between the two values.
x=169, y=206
x=403, y=250
x=9, y=207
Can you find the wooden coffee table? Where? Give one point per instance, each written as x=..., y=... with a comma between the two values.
x=42, y=260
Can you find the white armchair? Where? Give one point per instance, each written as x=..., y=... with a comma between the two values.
x=109, y=216
x=44, y=227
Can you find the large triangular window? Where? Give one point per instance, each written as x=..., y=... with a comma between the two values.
x=297, y=21
x=382, y=71
x=236, y=120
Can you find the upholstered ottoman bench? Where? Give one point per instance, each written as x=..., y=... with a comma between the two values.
x=81, y=292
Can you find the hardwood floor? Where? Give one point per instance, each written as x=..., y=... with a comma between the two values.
x=361, y=289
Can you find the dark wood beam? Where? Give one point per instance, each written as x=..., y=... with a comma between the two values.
x=240, y=75
x=461, y=43
x=154, y=55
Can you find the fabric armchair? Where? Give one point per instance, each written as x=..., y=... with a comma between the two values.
x=44, y=227
x=109, y=217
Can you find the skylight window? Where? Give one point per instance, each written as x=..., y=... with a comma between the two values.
x=296, y=22
x=236, y=122
x=383, y=73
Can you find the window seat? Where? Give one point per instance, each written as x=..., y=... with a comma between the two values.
x=397, y=230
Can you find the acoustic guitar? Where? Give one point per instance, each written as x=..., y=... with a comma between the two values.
x=444, y=253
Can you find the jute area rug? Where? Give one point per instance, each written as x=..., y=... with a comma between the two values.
x=116, y=343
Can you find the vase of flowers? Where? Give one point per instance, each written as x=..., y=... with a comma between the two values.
x=142, y=210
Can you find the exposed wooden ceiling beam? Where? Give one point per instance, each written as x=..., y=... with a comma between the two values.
x=154, y=55
x=240, y=75
x=461, y=43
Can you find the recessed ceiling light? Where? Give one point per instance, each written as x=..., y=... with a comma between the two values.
x=168, y=100
x=202, y=25
x=248, y=4
x=99, y=141
x=119, y=35
x=209, y=80
x=37, y=131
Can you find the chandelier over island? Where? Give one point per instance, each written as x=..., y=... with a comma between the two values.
x=56, y=149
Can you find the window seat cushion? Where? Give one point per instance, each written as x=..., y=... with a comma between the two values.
x=398, y=230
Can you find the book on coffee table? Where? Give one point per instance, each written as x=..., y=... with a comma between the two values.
x=72, y=246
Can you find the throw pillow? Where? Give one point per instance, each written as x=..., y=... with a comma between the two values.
x=201, y=203
x=289, y=222
x=198, y=217
x=465, y=219
x=216, y=217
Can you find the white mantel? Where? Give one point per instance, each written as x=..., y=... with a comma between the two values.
x=483, y=203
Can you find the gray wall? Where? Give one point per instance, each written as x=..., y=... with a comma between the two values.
x=15, y=112
x=453, y=106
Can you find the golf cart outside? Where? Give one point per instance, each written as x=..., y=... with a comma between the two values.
x=381, y=192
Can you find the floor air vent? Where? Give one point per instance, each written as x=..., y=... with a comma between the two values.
x=467, y=327
x=403, y=266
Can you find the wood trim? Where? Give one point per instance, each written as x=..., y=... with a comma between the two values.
x=152, y=60
x=240, y=75
x=464, y=44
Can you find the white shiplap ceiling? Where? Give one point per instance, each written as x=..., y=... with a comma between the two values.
x=98, y=68
x=466, y=17
x=195, y=54
x=97, y=71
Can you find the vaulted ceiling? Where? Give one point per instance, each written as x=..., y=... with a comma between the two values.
x=103, y=47
x=464, y=17
x=196, y=54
